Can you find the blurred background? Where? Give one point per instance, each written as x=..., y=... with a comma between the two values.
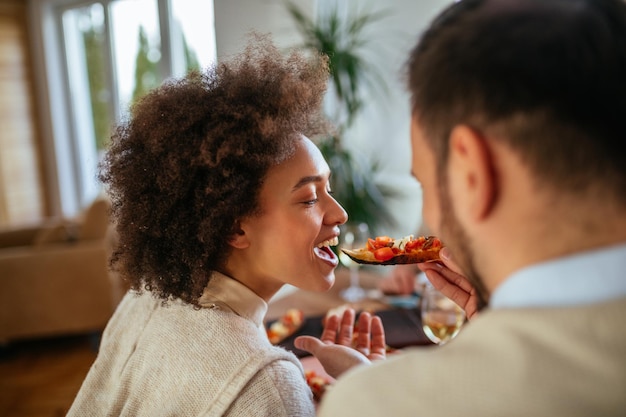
x=70, y=68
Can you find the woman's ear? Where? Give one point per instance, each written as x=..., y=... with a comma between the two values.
x=471, y=172
x=238, y=238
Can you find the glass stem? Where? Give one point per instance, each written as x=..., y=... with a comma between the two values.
x=354, y=276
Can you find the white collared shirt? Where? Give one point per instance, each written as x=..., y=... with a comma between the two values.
x=584, y=278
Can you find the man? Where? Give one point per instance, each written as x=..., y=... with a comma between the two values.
x=518, y=143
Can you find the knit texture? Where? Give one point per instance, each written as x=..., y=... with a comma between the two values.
x=176, y=360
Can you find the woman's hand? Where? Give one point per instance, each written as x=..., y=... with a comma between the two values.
x=335, y=349
x=448, y=279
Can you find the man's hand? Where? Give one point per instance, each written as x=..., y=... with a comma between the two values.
x=335, y=349
x=448, y=279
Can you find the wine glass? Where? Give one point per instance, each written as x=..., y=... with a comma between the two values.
x=353, y=236
x=442, y=318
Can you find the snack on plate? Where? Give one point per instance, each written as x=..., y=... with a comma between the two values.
x=287, y=325
x=317, y=383
x=384, y=250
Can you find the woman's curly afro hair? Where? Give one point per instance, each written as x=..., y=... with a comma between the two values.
x=190, y=161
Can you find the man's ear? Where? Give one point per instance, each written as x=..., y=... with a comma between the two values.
x=471, y=172
x=238, y=238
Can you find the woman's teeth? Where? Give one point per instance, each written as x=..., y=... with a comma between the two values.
x=330, y=242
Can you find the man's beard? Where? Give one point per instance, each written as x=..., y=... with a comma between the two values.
x=457, y=240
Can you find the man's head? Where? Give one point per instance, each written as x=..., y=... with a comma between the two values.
x=543, y=80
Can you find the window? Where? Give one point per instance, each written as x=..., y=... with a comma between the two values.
x=97, y=57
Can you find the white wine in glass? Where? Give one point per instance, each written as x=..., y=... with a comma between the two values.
x=353, y=236
x=442, y=318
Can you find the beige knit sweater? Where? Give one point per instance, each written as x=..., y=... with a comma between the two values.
x=175, y=360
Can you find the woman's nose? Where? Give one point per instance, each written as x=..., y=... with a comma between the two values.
x=336, y=214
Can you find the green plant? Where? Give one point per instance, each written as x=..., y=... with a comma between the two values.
x=354, y=188
x=344, y=41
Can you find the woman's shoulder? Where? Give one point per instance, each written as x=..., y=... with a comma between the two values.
x=283, y=385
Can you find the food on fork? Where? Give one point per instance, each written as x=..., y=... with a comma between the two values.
x=384, y=250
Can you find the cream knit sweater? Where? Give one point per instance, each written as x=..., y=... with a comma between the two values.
x=175, y=360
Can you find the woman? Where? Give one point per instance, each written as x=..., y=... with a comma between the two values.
x=219, y=199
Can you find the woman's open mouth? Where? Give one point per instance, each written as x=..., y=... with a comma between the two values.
x=324, y=252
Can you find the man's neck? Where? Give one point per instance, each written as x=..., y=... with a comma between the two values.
x=544, y=233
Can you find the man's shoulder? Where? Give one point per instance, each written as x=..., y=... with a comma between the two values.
x=512, y=355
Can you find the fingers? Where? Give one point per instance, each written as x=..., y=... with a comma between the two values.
x=450, y=289
x=346, y=328
x=452, y=285
x=456, y=278
x=378, y=349
x=309, y=344
x=363, y=335
x=448, y=275
x=448, y=260
x=370, y=339
x=331, y=329
x=339, y=330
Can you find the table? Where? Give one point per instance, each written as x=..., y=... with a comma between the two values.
x=403, y=326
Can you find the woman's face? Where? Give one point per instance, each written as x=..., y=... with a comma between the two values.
x=287, y=243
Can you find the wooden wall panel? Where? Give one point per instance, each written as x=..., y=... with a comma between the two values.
x=21, y=190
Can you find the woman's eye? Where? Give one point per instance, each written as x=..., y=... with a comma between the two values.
x=311, y=202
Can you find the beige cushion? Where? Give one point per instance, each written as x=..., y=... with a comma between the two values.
x=63, y=231
x=95, y=220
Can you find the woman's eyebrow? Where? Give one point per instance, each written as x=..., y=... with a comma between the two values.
x=306, y=180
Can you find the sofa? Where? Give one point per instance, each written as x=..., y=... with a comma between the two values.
x=55, y=279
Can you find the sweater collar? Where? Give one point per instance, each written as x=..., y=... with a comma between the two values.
x=225, y=292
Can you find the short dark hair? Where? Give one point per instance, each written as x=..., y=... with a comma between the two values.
x=190, y=162
x=549, y=77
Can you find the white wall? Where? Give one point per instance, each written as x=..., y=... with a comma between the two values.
x=236, y=18
x=382, y=130
x=381, y=133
